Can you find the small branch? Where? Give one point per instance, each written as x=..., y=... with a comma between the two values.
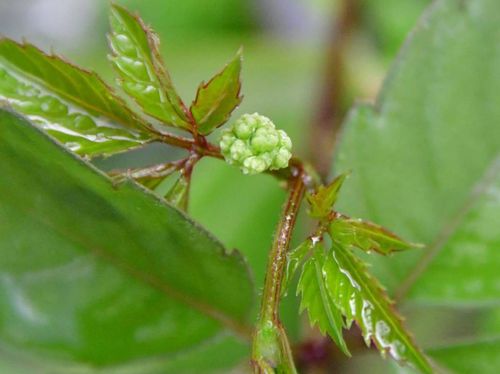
x=270, y=346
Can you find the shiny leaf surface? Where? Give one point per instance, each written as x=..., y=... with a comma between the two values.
x=71, y=104
x=362, y=299
x=102, y=274
x=367, y=236
x=419, y=155
x=216, y=100
x=315, y=298
x=323, y=200
x=143, y=76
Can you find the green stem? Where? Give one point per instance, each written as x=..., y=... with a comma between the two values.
x=271, y=349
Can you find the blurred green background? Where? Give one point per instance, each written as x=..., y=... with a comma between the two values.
x=285, y=44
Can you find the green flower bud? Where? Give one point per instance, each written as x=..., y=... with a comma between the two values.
x=255, y=145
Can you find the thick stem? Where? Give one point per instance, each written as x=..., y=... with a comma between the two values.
x=270, y=346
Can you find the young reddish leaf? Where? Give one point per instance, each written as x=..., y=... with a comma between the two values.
x=362, y=299
x=216, y=100
x=73, y=105
x=366, y=236
x=143, y=76
x=319, y=304
x=323, y=200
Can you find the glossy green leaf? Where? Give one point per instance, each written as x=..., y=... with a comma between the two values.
x=470, y=358
x=366, y=236
x=178, y=195
x=315, y=298
x=216, y=100
x=102, y=274
x=323, y=200
x=136, y=57
x=294, y=259
x=420, y=155
x=361, y=298
x=72, y=104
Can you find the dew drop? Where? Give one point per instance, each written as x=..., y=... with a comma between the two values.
x=52, y=106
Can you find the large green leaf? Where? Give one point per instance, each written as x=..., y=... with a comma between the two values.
x=72, y=104
x=470, y=358
x=218, y=98
x=474, y=248
x=102, y=274
x=360, y=298
x=143, y=76
x=422, y=156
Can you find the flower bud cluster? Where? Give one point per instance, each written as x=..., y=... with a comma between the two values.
x=254, y=145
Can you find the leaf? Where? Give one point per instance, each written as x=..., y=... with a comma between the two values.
x=100, y=274
x=421, y=157
x=72, y=104
x=360, y=298
x=366, y=236
x=178, y=195
x=136, y=57
x=477, y=357
x=295, y=257
x=315, y=298
x=216, y=100
x=323, y=200
x=467, y=266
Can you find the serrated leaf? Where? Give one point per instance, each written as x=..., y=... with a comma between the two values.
x=366, y=236
x=294, y=258
x=316, y=299
x=136, y=57
x=362, y=299
x=421, y=157
x=178, y=195
x=73, y=105
x=324, y=198
x=216, y=100
x=103, y=274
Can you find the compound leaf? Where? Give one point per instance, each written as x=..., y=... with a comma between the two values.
x=73, y=105
x=136, y=57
